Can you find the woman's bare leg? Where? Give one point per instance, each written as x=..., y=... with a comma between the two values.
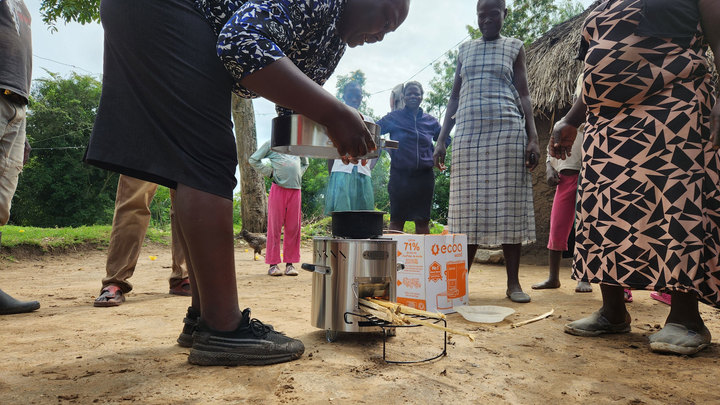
x=206, y=226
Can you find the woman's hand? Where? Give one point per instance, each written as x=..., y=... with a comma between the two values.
x=532, y=154
x=439, y=156
x=561, y=139
x=350, y=135
x=551, y=175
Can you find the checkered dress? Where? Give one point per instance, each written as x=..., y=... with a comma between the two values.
x=490, y=188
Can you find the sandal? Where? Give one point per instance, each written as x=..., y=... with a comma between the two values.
x=627, y=294
x=665, y=298
x=182, y=289
x=110, y=296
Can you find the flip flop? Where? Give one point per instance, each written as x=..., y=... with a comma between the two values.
x=182, y=289
x=110, y=296
x=518, y=296
x=627, y=295
x=662, y=297
x=678, y=339
x=595, y=325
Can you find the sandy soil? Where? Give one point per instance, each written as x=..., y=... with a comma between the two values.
x=70, y=352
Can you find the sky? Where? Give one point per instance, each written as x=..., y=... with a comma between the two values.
x=432, y=28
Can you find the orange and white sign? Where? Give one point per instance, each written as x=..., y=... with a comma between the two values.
x=435, y=275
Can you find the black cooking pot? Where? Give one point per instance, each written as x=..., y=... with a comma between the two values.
x=357, y=224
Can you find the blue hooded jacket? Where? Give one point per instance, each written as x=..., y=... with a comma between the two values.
x=416, y=134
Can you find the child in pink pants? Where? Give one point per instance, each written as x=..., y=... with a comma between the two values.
x=283, y=206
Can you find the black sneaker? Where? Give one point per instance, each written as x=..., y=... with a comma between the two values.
x=190, y=323
x=253, y=343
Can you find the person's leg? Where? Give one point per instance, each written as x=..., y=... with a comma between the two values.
x=553, y=280
x=205, y=222
x=397, y=225
x=293, y=218
x=12, y=147
x=512, y=266
x=276, y=211
x=129, y=226
x=562, y=217
x=223, y=335
x=422, y=227
x=472, y=251
x=612, y=317
x=179, y=274
x=684, y=331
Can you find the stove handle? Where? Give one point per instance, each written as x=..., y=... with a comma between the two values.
x=316, y=268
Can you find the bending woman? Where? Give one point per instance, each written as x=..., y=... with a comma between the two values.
x=164, y=117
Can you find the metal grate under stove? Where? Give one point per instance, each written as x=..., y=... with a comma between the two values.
x=388, y=329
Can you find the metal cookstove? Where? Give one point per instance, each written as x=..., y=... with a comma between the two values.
x=346, y=270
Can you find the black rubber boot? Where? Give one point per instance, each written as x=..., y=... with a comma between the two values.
x=9, y=305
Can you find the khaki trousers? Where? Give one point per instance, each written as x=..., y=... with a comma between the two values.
x=12, y=147
x=130, y=223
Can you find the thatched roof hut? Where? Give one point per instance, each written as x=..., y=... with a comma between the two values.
x=552, y=67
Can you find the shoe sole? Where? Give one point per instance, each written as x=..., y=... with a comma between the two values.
x=105, y=304
x=593, y=333
x=212, y=358
x=662, y=347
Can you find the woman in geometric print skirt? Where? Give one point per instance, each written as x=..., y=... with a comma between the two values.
x=649, y=198
x=495, y=144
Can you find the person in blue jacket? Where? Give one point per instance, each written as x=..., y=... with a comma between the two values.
x=412, y=180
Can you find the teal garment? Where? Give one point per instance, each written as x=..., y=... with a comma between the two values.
x=349, y=192
x=285, y=170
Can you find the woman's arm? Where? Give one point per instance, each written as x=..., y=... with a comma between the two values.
x=448, y=121
x=532, y=152
x=283, y=83
x=710, y=16
x=256, y=158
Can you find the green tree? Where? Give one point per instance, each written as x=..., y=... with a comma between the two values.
x=82, y=11
x=56, y=188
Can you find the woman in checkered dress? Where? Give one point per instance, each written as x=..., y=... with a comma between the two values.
x=494, y=146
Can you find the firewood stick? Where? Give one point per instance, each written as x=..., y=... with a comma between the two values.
x=403, y=319
x=406, y=310
x=387, y=315
x=537, y=318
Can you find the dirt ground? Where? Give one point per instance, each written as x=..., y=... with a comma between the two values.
x=70, y=352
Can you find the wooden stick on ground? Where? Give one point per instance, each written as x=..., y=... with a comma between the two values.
x=537, y=318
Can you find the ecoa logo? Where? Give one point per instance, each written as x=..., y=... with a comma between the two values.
x=449, y=248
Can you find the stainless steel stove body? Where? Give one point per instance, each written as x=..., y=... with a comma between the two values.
x=346, y=270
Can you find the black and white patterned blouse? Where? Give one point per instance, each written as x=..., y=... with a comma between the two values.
x=254, y=33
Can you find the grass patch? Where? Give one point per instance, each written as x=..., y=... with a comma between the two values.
x=62, y=238
x=99, y=235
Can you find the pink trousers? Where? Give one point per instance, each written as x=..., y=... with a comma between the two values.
x=283, y=210
x=562, y=216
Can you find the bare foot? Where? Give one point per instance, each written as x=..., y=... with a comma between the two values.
x=547, y=284
x=583, y=287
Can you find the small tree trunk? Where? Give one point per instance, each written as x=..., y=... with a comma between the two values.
x=253, y=203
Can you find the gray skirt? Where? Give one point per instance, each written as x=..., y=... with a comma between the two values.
x=164, y=113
